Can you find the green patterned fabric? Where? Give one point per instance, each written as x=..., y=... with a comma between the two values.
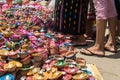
x=19, y=1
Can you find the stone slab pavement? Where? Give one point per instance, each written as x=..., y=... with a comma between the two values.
x=108, y=66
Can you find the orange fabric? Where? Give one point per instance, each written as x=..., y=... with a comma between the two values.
x=25, y=1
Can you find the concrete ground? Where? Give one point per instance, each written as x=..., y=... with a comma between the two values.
x=108, y=66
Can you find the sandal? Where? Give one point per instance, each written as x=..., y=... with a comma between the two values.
x=78, y=42
x=108, y=49
x=90, y=53
x=86, y=52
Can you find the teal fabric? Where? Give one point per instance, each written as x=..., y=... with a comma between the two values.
x=19, y=1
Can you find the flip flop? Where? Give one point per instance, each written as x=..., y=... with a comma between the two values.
x=99, y=55
x=90, y=53
x=85, y=51
x=107, y=49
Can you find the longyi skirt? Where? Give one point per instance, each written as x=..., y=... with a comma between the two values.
x=71, y=16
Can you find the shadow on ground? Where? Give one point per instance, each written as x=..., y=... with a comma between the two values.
x=115, y=55
x=108, y=54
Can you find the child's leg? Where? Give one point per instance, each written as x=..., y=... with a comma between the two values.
x=101, y=20
x=98, y=47
x=118, y=32
x=112, y=21
x=110, y=45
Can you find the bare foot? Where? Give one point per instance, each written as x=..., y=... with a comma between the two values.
x=119, y=38
x=96, y=50
x=93, y=51
x=111, y=47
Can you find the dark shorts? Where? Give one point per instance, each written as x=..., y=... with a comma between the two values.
x=117, y=3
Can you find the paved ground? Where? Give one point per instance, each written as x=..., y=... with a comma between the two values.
x=108, y=66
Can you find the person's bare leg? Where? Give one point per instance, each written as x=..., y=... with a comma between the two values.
x=98, y=47
x=89, y=29
x=110, y=45
x=118, y=30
